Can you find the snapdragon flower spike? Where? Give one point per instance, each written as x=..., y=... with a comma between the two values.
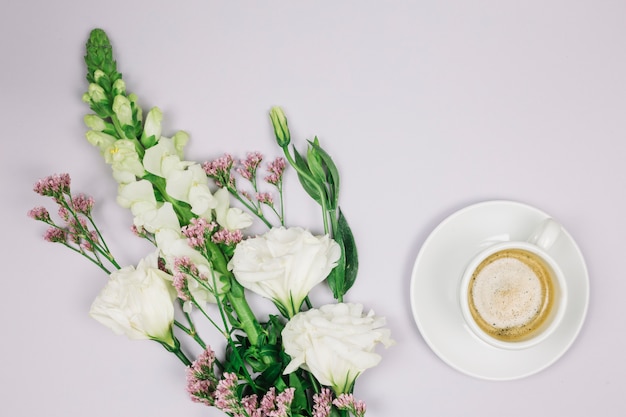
x=220, y=170
x=201, y=379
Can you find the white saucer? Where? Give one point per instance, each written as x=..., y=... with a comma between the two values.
x=434, y=290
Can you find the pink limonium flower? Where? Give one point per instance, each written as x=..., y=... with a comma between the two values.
x=197, y=231
x=322, y=403
x=265, y=198
x=226, y=395
x=54, y=234
x=271, y=405
x=347, y=402
x=83, y=204
x=53, y=185
x=40, y=213
x=182, y=268
x=219, y=170
x=201, y=379
x=276, y=169
x=227, y=237
x=250, y=165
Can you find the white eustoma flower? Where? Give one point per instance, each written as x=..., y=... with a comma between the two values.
x=231, y=218
x=284, y=265
x=335, y=343
x=138, y=302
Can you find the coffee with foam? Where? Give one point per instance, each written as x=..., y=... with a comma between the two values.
x=511, y=295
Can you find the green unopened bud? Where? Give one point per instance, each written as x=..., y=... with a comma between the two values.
x=121, y=108
x=99, y=139
x=96, y=93
x=180, y=139
x=98, y=74
x=281, y=129
x=119, y=87
x=136, y=108
x=152, y=127
x=94, y=122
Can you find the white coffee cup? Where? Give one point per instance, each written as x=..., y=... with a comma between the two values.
x=513, y=294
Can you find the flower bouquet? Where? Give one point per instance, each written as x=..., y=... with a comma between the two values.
x=302, y=360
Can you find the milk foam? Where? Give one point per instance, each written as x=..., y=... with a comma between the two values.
x=507, y=293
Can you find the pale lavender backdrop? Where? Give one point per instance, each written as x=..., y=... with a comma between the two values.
x=426, y=106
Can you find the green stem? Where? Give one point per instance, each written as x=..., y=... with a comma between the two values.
x=252, y=209
x=177, y=351
x=248, y=320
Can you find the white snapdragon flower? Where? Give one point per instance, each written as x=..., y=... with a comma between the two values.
x=231, y=218
x=121, y=108
x=149, y=214
x=162, y=158
x=102, y=140
x=94, y=122
x=284, y=265
x=123, y=158
x=335, y=343
x=185, y=181
x=191, y=185
x=152, y=126
x=138, y=302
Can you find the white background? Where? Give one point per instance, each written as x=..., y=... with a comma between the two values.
x=426, y=106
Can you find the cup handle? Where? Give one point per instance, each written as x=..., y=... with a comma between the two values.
x=546, y=234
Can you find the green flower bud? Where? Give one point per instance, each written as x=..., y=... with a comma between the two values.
x=152, y=127
x=96, y=93
x=94, y=122
x=180, y=139
x=281, y=129
x=136, y=108
x=121, y=108
x=99, y=139
x=98, y=74
x=119, y=87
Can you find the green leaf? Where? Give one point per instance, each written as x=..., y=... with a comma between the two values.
x=343, y=276
x=300, y=401
x=310, y=187
x=332, y=173
x=351, y=255
x=129, y=131
x=315, y=163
